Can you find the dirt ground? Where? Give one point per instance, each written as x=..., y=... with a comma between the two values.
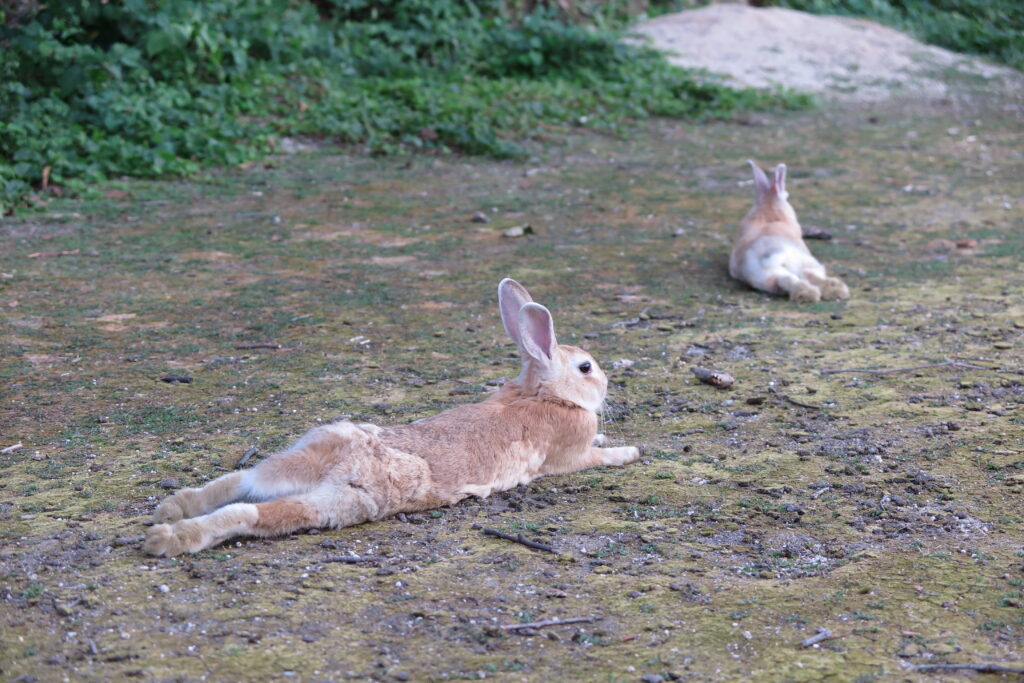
x=835, y=57
x=886, y=508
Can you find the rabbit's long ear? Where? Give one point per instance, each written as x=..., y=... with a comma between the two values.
x=779, y=186
x=537, y=331
x=512, y=296
x=762, y=185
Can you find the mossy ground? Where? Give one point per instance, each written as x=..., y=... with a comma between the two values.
x=710, y=559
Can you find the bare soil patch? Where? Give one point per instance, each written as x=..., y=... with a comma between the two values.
x=844, y=58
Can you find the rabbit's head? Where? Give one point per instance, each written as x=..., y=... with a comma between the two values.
x=549, y=368
x=772, y=193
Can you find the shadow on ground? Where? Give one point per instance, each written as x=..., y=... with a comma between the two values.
x=886, y=508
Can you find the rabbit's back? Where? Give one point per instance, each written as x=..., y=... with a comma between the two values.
x=494, y=445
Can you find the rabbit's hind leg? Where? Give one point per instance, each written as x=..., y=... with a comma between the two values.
x=197, y=533
x=831, y=287
x=300, y=469
x=189, y=502
x=328, y=507
x=781, y=280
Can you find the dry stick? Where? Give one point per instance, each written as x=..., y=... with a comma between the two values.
x=11, y=449
x=822, y=635
x=257, y=346
x=817, y=494
x=47, y=254
x=982, y=668
x=551, y=622
x=890, y=371
x=245, y=457
x=798, y=403
x=353, y=559
x=518, y=538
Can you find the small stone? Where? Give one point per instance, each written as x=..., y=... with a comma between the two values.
x=478, y=217
x=518, y=231
x=163, y=588
x=652, y=678
x=169, y=483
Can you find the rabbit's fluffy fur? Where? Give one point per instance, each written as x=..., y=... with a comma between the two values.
x=770, y=253
x=543, y=422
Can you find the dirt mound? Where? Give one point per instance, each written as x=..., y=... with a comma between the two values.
x=850, y=59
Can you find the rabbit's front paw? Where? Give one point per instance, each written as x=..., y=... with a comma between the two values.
x=616, y=457
x=805, y=292
x=168, y=540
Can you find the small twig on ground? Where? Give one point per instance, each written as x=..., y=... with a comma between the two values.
x=551, y=622
x=817, y=494
x=716, y=378
x=11, y=449
x=245, y=457
x=981, y=668
x=518, y=538
x=891, y=371
x=795, y=402
x=257, y=346
x=822, y=635
x=46, y=254
x=353, y=559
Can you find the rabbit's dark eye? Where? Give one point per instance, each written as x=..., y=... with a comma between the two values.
x=584, y=367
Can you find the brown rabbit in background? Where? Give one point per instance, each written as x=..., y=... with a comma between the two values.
x=770, y=253
x=542, y=422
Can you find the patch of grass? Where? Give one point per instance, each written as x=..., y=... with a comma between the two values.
x=93, y=91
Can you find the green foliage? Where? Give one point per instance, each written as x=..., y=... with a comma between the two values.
x=992, y=28
x=92, y=90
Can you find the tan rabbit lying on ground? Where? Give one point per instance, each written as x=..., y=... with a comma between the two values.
x=770, y=253
x=542, y=422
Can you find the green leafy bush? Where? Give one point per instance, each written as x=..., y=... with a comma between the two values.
x=991, y=28
x=95, y=89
